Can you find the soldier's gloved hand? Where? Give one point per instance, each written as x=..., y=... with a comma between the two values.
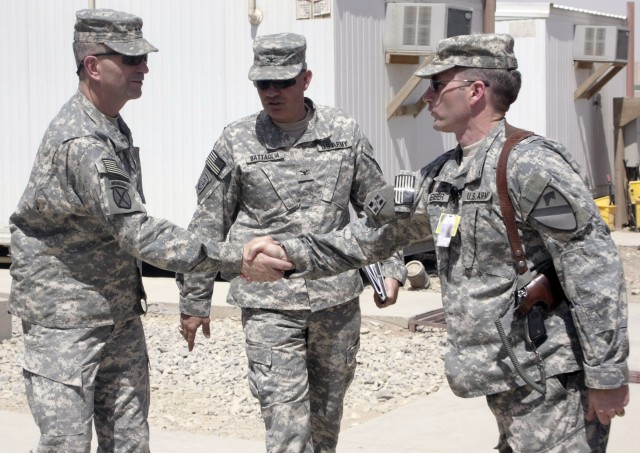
x=393, y=287
x=264, y=260
x=189, y=327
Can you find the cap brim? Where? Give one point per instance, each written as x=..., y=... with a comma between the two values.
x=432, y=69
x=131, y=48
x=274, y=72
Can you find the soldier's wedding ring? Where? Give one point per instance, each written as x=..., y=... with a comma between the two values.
x=621, y=413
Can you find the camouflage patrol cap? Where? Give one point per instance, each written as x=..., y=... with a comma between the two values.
x=105, y=30
x=486, y=51
x=278, y=57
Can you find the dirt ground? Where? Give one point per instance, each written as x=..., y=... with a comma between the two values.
x=631, y=262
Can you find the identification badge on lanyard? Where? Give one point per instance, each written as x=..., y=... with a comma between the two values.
x=447, y=228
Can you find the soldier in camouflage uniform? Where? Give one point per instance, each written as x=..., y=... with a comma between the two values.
x=473, y=82
x=294, y=167
x=78, y=236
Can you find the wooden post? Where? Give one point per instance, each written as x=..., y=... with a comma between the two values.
x=625, y=110
x=620, y=180
x=631, y=49
x=489, y=16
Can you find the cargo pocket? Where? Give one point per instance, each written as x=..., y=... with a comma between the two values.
x=55, y=394
x=259, y=365
x=352, y=352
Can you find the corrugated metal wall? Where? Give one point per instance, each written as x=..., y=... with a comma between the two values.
x=198, y=83
x=37, y=77
x=546, y=102
x=365, y=84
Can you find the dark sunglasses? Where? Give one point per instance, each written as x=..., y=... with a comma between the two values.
x=437, y=84
x=277, y=84
x=129, y=60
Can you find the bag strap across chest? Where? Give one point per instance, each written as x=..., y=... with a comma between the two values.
x=514, y=136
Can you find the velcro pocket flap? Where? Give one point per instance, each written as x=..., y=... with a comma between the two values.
x=64, y=371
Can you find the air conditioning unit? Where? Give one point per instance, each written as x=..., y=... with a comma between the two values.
x=600, y=43
x=416, y=28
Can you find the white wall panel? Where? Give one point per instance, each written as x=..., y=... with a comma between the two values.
x=37, y=77
x=543, y=45
x=365, y=84
x=198, y=83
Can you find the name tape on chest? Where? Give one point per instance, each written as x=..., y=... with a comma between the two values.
x=466, y=196
x=327, y=145
x=438, y=197
x=475, y=196
x=269, y=157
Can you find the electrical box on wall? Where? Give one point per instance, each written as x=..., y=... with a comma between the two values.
x=600, y=43
x=416, y=28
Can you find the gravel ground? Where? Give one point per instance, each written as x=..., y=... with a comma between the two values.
x=207, y=391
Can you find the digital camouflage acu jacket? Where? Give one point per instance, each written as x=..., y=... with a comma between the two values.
x=80, y=228
x=258, y=182
x=477, y=271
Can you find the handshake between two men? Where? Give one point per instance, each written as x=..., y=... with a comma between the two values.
x=264, y=260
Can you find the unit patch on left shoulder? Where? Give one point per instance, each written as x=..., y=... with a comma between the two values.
x=120, y=194
x=552, y=209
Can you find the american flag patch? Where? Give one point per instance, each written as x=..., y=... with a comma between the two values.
x=215, y=163
x=404, y=189
x=114, y=169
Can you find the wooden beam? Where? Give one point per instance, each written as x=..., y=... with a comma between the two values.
x=393, y=109
x=603, y=73
x=396, y=58
x=625, y=110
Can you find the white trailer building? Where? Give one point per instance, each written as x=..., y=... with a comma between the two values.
x=362, y=54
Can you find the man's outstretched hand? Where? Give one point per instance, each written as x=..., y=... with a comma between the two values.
x=264, y=260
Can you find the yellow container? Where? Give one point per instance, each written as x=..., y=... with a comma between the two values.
x=607, y=211
x=634, y=192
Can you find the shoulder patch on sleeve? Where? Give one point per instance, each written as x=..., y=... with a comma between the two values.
x=114, y=171
x=215, y=164
x=553, y=210
x=215, y=170
x=379, y=204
